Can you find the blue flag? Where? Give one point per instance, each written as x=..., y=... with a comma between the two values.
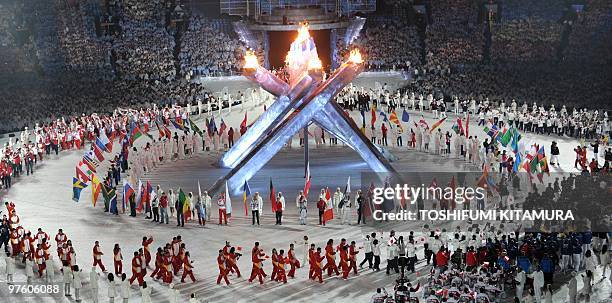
x=517, y=163
x=384, y=116
x=77, y=187
x=405, y=116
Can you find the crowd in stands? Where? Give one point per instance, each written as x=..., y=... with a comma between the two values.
x=208, y=52
x=446, y=58
x=145, y=51
x=386, y=46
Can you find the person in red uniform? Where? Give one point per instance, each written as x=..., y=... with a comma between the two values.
x=293, y=261
x=97, y=256
x=10, y=208
x=15, y=242
x=136, y=269
x=60, y=238
x=256, y=258
x=117, y=260
x=442, y=257
x=330, y=256
x=179, y=259
x=344, y=261
x=187, y=268
x=222, y=209
x=353, y=257
x=167, y=271
x=281, y=276
x=316, y=265
x=231, y=261
x=274, y=265
x=40, y=260
x=471, y=259
x=158, y=263
x=311, y=252
x=226, y=251
x=145, y=245
x=222, y=270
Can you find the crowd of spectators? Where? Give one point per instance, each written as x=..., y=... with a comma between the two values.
x=83, y=51
x=531, y=61
x=144, y=51
x=387, y=45
x=208, y=52
x=530, y=39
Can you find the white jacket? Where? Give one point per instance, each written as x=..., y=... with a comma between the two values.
x=338, y=196
x=67, y=274
x=77, y=283
x=146, y=294
x=112, y=290
x=257, y=204
x=10, y=265
x=125, y=288
x=94, y=277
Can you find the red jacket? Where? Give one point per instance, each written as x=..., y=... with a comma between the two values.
x=470, y=258
x=441, y=258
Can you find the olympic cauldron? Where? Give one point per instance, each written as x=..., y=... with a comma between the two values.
x=306, y=98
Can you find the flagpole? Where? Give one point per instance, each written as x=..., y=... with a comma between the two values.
x=306, y=150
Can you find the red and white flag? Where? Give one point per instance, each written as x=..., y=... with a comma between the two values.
x=307, y=185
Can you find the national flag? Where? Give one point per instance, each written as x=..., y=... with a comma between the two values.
x=243, y=124
x=77, y=187
x=199, y=189
x=98, y=152
x=405, y=116
x=347, y=188
x=452, y=184
x=307, y=184
x=328, y=213
x=151, y=194
x=167, y=132
x=83, y=172
x=393, y=118
x=362, y=112
x=246, y=192
x=228, y=200
x=140, y=197
x=506, y=137
x=108, y=144
x=160, y=129
x=183, y=199
x=145, y=128
x=517, y=163
x=384, y=116
x=222, y=127
x=100, y=145
x=492, y=131
x=460, y=125
x=110, y=198
x=516, y=138
x=272, y=196
x=455, y=128
x=96, y=187
x=128, y=191
x=423, y=123
x=434, y=183
x=195, y=128
x=437, y=124
x=90, y=163
x=373, y=114
x=135, y=134
x=467, y=126
x=177, y=124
